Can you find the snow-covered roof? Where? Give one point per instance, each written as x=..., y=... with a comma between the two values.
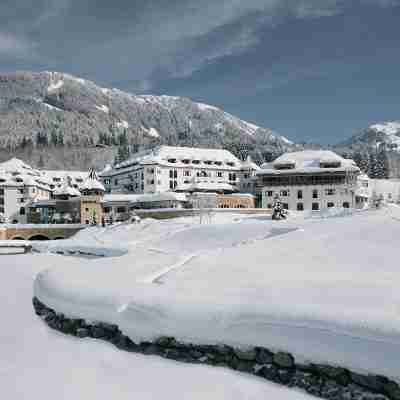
x=92, y=182
x=310, y=161
x=165, y=196
x=66, y=190
x=250, y=164
x=206, y=186
x=16, y=165
x=179, y=157
x=144, y=198
x=57, y=177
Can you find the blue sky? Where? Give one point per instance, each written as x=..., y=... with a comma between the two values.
x=313, y=70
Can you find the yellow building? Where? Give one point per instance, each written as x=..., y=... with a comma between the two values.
x=236, y=200
x=92, y=194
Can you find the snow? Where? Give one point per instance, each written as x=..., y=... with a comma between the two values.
x=324, y=289
x=123, y=124
x=309, y=161
x=103, y=108
x=162, y=154
x=54, y=86
x=153, y=132
x=206, y=107
x=39, y=363
x=390, y=128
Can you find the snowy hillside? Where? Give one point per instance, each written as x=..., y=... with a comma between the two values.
x=62, y=121
x=332, y=298
x=380, y=140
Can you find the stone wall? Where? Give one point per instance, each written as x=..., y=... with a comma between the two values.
x=325, y=381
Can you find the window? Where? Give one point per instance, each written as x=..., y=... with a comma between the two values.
x=171, y=184
x=22, y=211
x=107, y=210
x=107, y=181
x=1, y=192
x=21, y=191
x=115, y=181
x=269, y=205
x=232, y=177
x=300, y=207
x=86, y=209
x=285, y=206
x=219, y=174
x=22, y=200
x=315, y=195
x=330, y=192
x=315, y=206
x=346, y=204
x=300, y=195
x=285, y=193
x=270, y=193
x=56, y=179
x=330, y=205
x=186, y=173
x=121, y=209
x=150, y=170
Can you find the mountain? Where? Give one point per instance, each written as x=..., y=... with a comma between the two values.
x=376, y=149
x=55, y=120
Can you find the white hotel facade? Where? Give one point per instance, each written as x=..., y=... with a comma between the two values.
x=182, y=169
x=309, y=180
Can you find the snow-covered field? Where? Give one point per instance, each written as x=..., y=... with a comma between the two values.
x=324, y=289
x=38, y=363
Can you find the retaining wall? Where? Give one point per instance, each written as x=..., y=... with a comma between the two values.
x=325, y=381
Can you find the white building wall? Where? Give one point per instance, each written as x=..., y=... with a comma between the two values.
x=327, y=196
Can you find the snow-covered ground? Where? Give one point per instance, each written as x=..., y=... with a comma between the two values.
x=39, y=363
x=324, y=289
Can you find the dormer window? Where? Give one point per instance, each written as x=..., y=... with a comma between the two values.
x=218, y=162
x=288, y=165
x=230, y=163
x=330, y=164
x=196, y=162
x=172, y=160
x=208, y=162
x=186, y=161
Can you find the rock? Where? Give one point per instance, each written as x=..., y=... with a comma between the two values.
x=196, y=354
x=152, y=349
x=68, y=326
x=174, y=354
x=82, y=332
x=285, y=376
x=371, y=382
x=269, y=372
x=392, y=389
x=264, y=356
x=246, y=355
x=98, y=332
x=283, y=360
x=166, y=341
x=125, y=343
x=340, y=375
